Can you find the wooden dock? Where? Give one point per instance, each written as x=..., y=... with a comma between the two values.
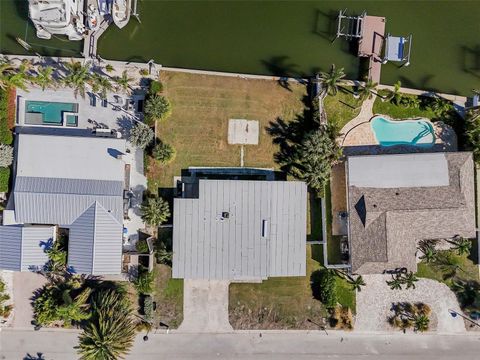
x=371, y=43
x=90, y=42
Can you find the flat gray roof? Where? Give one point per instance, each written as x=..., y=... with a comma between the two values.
x=70, y=157
x=241, y=230
x=398, y=171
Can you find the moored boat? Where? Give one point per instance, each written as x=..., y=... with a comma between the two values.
x=121, y=10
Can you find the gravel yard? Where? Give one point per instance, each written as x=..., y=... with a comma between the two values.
x=375, y=300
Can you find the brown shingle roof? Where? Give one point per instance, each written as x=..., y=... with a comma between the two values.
x=385, y=224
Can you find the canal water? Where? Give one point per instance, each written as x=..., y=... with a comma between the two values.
x=279, y=37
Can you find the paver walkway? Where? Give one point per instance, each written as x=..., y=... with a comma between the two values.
x=375, y=300
x=205, y=306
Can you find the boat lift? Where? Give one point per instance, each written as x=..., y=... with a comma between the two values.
x=349, y=27
x=398, y=49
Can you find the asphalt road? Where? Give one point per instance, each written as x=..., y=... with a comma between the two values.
x=58, y=345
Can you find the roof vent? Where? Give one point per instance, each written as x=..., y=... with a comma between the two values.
x=225, y=214
x=264, y=228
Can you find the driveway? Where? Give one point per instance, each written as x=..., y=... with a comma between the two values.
x=205, y=306
x=376, y=298
x=24, y=285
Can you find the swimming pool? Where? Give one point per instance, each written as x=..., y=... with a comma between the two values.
x=407, y=132
x=47, y=112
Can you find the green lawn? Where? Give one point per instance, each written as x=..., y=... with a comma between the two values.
x=399, y=112
x=201, y=108
x=168, y=296
x=283, y=303
x=342, y=107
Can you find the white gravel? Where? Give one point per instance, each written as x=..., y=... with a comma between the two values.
x=376, y=298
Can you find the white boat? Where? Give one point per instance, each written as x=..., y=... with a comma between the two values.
x=121, y=10
x=57, y=17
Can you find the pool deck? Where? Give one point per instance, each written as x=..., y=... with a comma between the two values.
x=113, y=119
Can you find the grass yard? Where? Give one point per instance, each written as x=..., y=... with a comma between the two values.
x=283, y=303
x=399, y=112
x=342, y=107
x=201, y=108
x=168, y=296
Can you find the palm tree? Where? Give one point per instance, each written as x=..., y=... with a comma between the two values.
x=109, y=68
x=100, y=85
x=144, y=281
x=410, y=279
x=77, y=77
x=461, y=245
x=332, y=80
x=44, y=77
x=421, y=322
x=110, y=333
x=395, y=96
x=356, y=282
x=155, y=211
x=368, y=89
x=141, y=135
x=9, y=77
x=123, y=81
x=448, y=263
x=158, y=107
x=395, y=283
x=429, y=251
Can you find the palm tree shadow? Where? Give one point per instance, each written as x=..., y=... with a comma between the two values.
x=288, y=135
x=38, y=356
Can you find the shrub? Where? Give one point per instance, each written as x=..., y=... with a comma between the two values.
x=324, y=287
x=6, y=136
x=4, y=178
x=143, y=72
x=341, y=318
x=142, y=247
x=163, y=152
x=6, y=155
x=144, y=281
x=148, y=308
x=407, y=315
x=156, y=87
x=141, y=136
x=162, y=254
x=5, y=310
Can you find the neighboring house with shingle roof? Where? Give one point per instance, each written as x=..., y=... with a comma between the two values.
x=394, y=201
x=240, y=230
x=75, y=182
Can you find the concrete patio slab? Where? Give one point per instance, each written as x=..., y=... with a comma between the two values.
x=243, y=132
x=24, y=285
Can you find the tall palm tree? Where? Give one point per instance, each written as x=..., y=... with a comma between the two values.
x=10, y=77
x=155, y=211
x=78, y=75
x=461, y=245
x=111, y=331
x=368, y=89
x=395, y=96
x=332, y=80
x=123, y=81
x=101, y=85
x=44, y=77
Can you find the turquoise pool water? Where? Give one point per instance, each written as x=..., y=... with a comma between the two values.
x=52, y=112
x=406, y=132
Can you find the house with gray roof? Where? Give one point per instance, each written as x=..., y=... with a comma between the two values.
x=22, y=248
x=240, y=230
x=77, y=183
x=394, y=201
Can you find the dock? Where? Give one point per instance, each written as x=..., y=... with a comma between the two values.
x=373, y=43
x=90, y=42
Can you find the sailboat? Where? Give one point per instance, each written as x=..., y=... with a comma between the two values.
x=121, y=10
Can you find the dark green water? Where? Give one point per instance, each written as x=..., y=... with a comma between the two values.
x=283, y=37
